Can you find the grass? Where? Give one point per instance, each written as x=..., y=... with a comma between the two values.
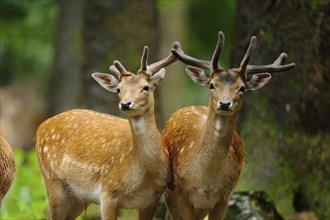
x=27, y=197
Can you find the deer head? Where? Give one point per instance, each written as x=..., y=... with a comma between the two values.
x=135, y=91
x=227, y=87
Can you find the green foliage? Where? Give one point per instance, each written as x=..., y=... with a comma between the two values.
x=205, y=20
x=26, y=198
x=27, y=30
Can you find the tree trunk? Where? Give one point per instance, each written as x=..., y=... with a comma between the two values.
x=301, y=29
x=172, y=25
x=116, y=30
x=285, y=125
x=65, y=83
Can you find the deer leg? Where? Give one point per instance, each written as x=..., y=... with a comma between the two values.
x=76, y=207
x=62, y=205
x=201, y=214
x=172, y=204
x=147, y=213
x=218, y=212
x=109, y=208
x=186, y=208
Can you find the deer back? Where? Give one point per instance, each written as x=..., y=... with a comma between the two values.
x=83, y=141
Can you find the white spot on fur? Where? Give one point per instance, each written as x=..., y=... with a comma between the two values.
x=45, y=149
x=121, y=158
x=190, y=146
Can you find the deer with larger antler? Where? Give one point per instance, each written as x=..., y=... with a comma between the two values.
x=90, y=157
x=206, y=152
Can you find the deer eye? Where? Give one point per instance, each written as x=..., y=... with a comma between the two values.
x=242, y=89
x=118, y=90
x=145, y=88
x=211, y=86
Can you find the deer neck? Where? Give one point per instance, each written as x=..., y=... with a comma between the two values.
x=147, y=142
x=216, y=139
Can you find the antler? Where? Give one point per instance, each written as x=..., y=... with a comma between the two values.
x=212, y=65
x=155, y=67
x=277, y=66
x=118, y=69
x=218, y=51
x=144, y=60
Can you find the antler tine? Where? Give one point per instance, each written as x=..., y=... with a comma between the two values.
x=114, y=70
x=144, y=59
x=246, y=59
x=274, y=67
x=277, y=66
x=155, y=67
x=281, y=59
x=218, y=51
x=119, y=66
x=120, y=69
x=178, y=53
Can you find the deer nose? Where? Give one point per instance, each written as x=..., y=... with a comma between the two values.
x=224, y=105
x=125, y=105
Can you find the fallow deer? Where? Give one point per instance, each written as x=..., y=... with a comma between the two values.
x=7, y=167
x=91, y=157
x=206, y=152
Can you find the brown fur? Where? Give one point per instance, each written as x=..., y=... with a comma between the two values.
x=7, y=167
x=184, y=128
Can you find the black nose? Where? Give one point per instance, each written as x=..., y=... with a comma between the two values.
x=224, y=105
x=125, y=105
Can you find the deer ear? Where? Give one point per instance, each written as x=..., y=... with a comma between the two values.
x=107, y=81
x=159, y=76
x=198, y=75
x=258, y=81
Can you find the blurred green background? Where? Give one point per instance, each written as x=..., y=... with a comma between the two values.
x=50, y=48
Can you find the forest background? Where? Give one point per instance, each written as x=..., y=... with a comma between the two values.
x=50, y=48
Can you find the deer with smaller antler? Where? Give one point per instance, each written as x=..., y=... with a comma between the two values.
x=90, y=157
x=206, y=152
